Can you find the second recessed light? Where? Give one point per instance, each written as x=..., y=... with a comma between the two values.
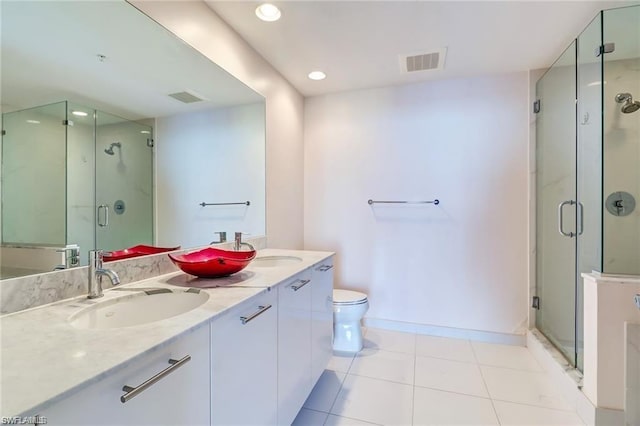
x=268, y=12
x=317, y=75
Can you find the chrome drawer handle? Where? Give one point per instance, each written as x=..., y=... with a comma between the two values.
x=261, y=310
x=302, y=284
x=131, y=392
x=324, y=268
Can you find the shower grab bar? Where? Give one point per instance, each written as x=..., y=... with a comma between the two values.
x=244, y=203
x=436, y=202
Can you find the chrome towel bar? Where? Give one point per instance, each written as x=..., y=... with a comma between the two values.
x=244, y=203
x=436, y=202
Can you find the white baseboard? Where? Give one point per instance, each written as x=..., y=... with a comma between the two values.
x=457, y=333
x=569, y=381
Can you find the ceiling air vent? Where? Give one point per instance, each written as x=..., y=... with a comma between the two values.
x=186, y=97
x=423, y=61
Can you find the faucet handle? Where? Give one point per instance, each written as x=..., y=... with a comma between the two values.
x=96, y=257
x=223, y=237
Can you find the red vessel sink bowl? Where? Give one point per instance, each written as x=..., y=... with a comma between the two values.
x=135, y=251
x=213, y=263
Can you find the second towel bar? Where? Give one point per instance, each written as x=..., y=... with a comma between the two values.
x=436, y=202
x=244, y=203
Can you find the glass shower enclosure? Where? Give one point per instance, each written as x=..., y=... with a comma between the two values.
x=73, y=175
x=587, y=171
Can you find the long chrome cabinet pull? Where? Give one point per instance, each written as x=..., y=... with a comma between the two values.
x=260, y=311
x=131, y=392
x=561, y=218
x=302, y=284
x=324, y=268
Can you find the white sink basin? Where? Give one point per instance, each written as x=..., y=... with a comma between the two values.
x=137, y=309
x=274, y=261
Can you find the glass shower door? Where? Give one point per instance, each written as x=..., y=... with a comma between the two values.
x=33, y=176
x=555, y=203
x=124, y=183
x=589, y=168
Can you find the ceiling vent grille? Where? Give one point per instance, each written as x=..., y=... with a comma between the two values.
x=186, y=97
x=423, y=61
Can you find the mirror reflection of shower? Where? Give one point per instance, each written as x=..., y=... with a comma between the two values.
x=110, y=151
x=628, y=104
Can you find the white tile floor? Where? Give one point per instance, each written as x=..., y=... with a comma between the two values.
x=409, y=379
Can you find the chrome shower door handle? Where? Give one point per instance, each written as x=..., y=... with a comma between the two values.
x=106, y=215
x=580, y=226
x=561, y=218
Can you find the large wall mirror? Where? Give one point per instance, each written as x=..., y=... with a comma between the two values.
x=114, y=134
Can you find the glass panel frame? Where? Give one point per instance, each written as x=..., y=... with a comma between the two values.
x=555, y=190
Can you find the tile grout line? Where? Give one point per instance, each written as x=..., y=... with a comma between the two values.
x=341, y=386
x=495, y=412
x=544, y=407
x=455, y=393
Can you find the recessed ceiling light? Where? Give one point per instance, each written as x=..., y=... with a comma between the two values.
x=268, y=12
x=79, y=113
x=33, y=122
x=317, y=75
x=146, y=132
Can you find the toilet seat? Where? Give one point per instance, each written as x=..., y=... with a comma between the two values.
x=348, y=297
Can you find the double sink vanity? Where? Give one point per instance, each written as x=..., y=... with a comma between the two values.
x=175, y=349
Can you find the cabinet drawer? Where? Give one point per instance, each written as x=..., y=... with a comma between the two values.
x=294, y=345
x=321, y=317
x=244, y=364
x=180, y=396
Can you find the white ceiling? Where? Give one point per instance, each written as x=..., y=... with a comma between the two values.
x=49, y=54
x=357, y=43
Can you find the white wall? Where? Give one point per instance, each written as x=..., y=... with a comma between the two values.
x=212, y=156
x=460, y=264
x=199, y=26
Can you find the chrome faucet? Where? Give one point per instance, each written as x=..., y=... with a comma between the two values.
x=96, y=272
x=223, y=237
x=239, y=243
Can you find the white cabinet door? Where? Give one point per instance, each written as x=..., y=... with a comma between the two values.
x=180, y=397
x=294, y=345
x=244, y=363
x=321, y=317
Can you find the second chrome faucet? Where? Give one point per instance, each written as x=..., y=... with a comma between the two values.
x=96, y=272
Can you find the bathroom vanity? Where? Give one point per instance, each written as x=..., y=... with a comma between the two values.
x=250, y=354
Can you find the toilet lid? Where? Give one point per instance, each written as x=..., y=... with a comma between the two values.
x=348, y=297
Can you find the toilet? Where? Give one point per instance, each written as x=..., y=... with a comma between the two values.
x=348, y=309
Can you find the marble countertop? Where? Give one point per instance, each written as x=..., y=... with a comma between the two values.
x=44, y=358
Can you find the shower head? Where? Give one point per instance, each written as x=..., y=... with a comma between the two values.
x=109, y=150
x=628, y=104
